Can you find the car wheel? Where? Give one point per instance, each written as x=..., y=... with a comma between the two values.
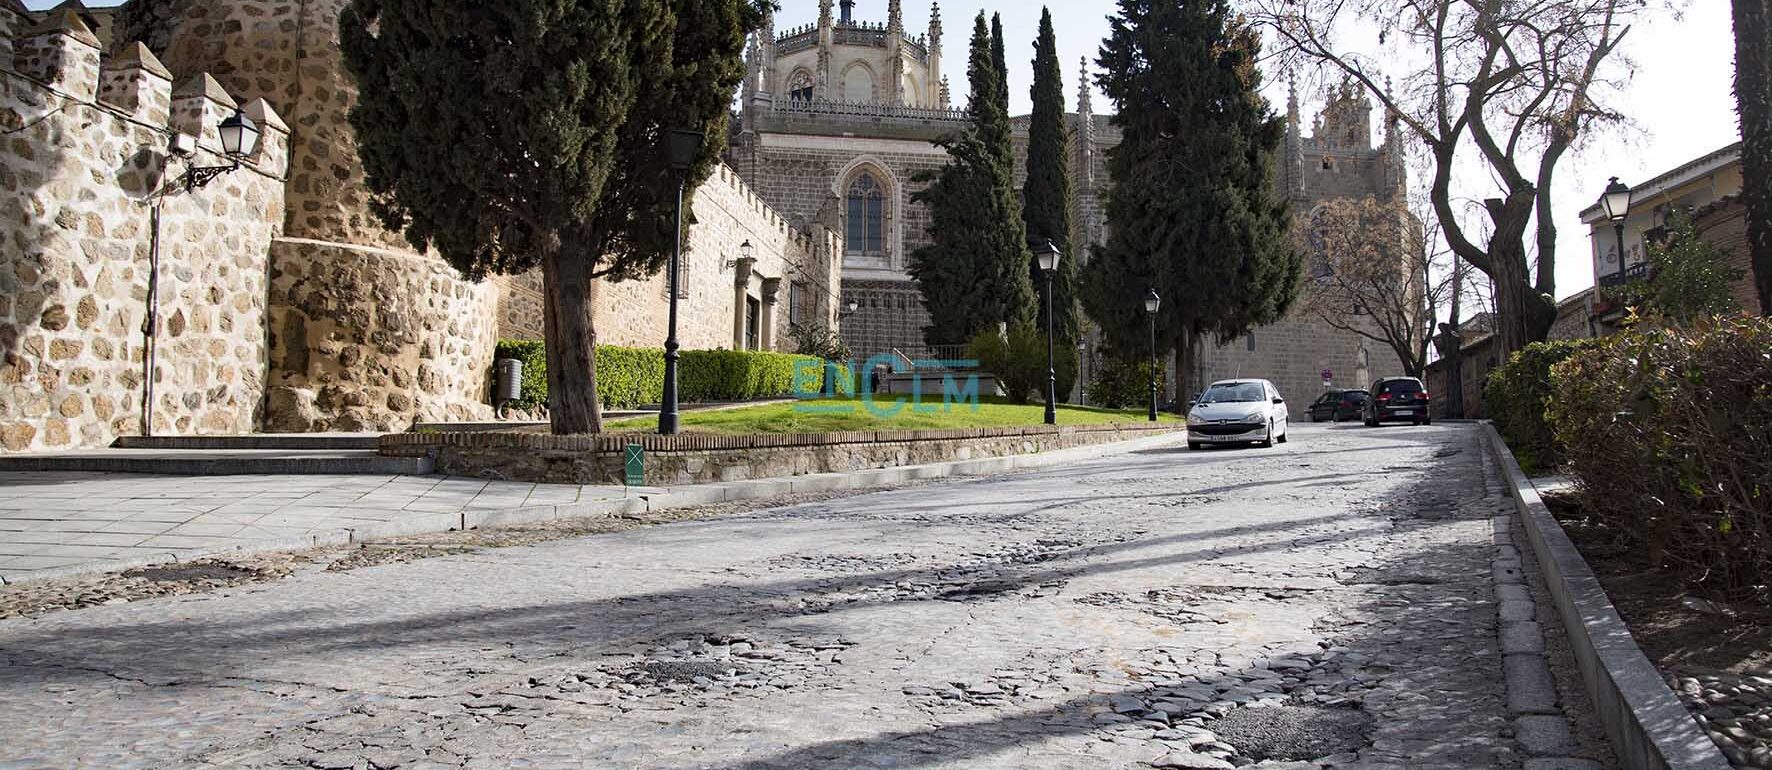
x=1428, y=421
x=1268, y=441
x=1371, y=423
x=1194, y=445
x=1285, y=434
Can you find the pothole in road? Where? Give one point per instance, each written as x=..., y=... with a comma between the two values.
x=1378, y=577
x=1293, y=733
x=194, y=572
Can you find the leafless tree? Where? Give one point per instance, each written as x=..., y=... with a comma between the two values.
x=1521, y=81
x=1375, y=275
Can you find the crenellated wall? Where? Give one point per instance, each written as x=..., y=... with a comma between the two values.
x=86, y=163
x=284, y=305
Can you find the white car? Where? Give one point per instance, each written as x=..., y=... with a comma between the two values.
x=1237, y=412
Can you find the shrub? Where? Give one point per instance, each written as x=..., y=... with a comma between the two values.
x=1515, y=396
x=1123, y=384
x=1019, y=362
x=633, y=377
x=1669, y=436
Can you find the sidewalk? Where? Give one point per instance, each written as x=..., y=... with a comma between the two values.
x=56, y=521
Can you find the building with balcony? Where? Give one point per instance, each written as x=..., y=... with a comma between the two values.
x=1709, y=187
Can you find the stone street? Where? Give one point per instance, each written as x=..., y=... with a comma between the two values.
x=1325, y=603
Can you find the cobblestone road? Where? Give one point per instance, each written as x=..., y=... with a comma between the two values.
x=1326, y=603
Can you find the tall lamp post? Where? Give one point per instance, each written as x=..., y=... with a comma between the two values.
x=239, y=138
x=1048, y=255
x=681, y=147
x=1616, y=202
x=1151, y=303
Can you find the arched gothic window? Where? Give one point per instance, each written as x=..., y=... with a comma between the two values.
x=866, y=220
x=800, y=87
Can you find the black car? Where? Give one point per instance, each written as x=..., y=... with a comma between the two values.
x=1338, y=405
x=1396, y=399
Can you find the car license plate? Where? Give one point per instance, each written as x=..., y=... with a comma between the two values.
x=1404, y=413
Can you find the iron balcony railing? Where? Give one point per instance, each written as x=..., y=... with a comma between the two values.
x=1632, y=274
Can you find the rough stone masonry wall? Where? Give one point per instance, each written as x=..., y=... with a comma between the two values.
x=366, y=333
x=84, y=148
x=700, y=458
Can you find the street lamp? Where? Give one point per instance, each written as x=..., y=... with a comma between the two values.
x=681, y=147
x=239, y=137
x=1616, y=202
x=1151, y=303
x=1048, y=256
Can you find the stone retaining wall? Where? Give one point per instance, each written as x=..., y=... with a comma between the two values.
x=697, y=459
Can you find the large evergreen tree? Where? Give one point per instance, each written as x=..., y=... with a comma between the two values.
x=1046, y=194
x=973, y=273
x=521, y=133
x=1753, y=94
x=1192, y=205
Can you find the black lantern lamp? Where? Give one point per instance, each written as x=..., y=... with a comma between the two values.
x=1152, y=303
x=1048, y=256
x=1616, y=202
x=239, y=138
x=681, y=148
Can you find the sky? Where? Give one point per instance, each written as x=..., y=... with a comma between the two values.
x=1679, y=96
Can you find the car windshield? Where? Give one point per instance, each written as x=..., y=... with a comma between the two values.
x=1233, y=392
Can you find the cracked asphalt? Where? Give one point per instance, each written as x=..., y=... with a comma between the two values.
x=1135, y=611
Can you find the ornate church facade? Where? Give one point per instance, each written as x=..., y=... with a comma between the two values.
x=838, y=116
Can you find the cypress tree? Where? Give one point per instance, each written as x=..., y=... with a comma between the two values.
x=1046, y=195
x=973, y=273
x=1192, y=203
x=524, y=133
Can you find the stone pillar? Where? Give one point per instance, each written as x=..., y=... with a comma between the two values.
x=766, y=324
x=135, y=81
x=741, y=291
x=198, y=108
x=62, y=52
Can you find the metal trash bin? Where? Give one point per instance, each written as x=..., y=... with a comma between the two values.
x=508, y=385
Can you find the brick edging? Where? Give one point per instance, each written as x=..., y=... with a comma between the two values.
x=1649, y=727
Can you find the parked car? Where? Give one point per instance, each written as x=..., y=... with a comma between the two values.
x=1338, y=405
x=1236, y=412
x=1396, y=399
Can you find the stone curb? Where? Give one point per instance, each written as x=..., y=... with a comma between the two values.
x=1650, y=729
x=637, y=500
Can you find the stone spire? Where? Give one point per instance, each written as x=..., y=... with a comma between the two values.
x=1085, y=175
x=895, y=54
x=1294, y=168
x=822, y=75
x=895, y=16
x=934, y=28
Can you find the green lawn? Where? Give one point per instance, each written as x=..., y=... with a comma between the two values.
x=823, y=416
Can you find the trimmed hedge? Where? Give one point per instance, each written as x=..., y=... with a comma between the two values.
x=1516, y=395
x=632, y=377
x=1668, y=433
x=1019, y=362
x=1119, y=384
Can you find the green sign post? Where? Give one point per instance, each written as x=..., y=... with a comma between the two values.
x=636, y=465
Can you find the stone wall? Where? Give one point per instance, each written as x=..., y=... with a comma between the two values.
x=87, y=152
x=1292, y=354
x=369, y=339
x=700, y=458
